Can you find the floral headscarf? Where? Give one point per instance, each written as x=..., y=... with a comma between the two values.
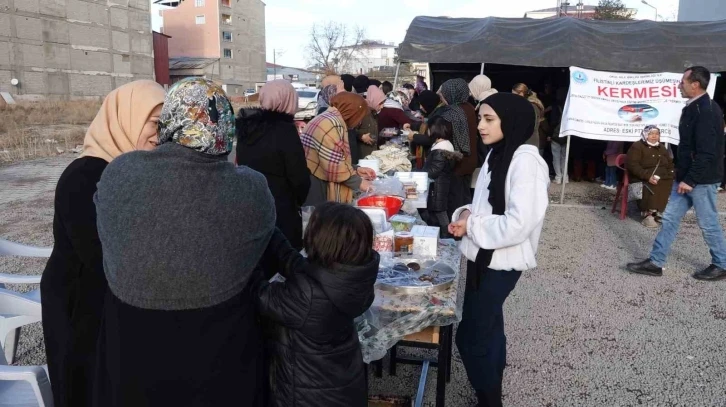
x=400, y=96
x=646, y=131
x=198, y=115
x=326, y=94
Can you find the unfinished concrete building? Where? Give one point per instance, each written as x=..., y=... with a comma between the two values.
x=223, y=40
x=73, y=48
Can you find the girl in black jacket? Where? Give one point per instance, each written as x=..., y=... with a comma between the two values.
x=440, y=165
x=268, y=142
x=315, y=354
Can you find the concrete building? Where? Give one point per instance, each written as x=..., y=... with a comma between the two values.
x=369, y=56
x=701, y=10
x=295, y=75
x=229, y=35
x=73, y=48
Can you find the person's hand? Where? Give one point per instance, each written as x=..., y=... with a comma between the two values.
x=653, y=180
x=407, y=127
x=366, y=138
x=458, y=228
x=684, y=188
x=410, y=135
x=366, y=173
x=366, y=186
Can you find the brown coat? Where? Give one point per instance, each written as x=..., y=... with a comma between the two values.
x=467, y=165
x=642, y=162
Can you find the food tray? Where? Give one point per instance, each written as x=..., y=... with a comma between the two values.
x=408, y=282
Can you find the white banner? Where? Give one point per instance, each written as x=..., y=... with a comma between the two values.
x=617, y=106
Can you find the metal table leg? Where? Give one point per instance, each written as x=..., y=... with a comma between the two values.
x=394, y=361
x=422, y=384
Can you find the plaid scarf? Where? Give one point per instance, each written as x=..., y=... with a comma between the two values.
x=325, y=141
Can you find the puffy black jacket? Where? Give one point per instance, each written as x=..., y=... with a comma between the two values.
x=268, y=142
x=700, y=152
x=440, y=167
x=315, y=354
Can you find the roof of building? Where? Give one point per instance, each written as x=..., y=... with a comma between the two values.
x=190, y=62
x=624, y=46
x=370, y=44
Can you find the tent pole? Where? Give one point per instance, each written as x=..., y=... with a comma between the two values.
x=395, y=80
x=565, y=175
x=481, y=71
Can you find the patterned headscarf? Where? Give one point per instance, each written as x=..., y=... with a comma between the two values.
x=420, y=85
x=326, y=94
x=401, y=96
x=646, y=131
x=456, y=91
x=198, y=115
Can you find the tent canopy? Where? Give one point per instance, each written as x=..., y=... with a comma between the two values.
x=625, y=46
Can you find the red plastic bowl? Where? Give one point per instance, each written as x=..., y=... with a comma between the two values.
x=391, y=204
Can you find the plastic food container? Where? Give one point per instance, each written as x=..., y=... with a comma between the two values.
x=403, y=243
x=402, y=223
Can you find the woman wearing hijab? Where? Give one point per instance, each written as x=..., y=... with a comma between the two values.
x=421, y=143
x=480, y=88
x=650, y=162
x=268, y=142
x=333, y=84
x=327, y=150
x=500, y=232
x=347, y=82
x=361, y=84
x=182, y=233
x=367, y=133
x=462, y=116
x=73, y=284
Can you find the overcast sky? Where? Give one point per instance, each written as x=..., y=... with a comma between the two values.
x=288, y=22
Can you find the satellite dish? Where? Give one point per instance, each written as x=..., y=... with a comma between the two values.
x=14, y=82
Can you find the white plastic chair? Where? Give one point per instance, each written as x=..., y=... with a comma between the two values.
x=10, y=327
x=22, y=385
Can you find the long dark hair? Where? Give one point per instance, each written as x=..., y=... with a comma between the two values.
x=338, y=234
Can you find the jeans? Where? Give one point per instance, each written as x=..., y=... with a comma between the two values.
x=480, y=336
x=558, y=160
x=703, y=200
x=611, y=176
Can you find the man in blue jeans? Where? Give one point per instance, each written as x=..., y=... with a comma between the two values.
x=699, y=172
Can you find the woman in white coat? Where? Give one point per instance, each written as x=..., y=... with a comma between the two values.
x=500, y=232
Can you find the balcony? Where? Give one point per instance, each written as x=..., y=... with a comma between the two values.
x=226, y=3
x=226, y=19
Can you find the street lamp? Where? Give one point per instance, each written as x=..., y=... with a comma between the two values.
x=651, y=6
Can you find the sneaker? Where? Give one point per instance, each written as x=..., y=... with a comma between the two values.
x=558, y=181
x=567, y=180
x=650, y=222
x=645, y=267
x=720, y=189
x=612, y=187
x=603, y=186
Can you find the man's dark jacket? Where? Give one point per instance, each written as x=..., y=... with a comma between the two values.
x=701, y=149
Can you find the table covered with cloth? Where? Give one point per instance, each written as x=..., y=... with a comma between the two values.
x=394, y=316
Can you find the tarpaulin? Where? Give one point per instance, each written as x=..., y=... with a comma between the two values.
x=624, y=46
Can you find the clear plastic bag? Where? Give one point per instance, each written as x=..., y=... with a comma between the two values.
x=386, y=186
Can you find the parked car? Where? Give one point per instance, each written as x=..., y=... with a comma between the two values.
x=249, y=92
x=306, y=97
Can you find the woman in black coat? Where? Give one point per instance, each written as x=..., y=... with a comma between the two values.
x=268, y=142
x=73, y=285
x=316, y=358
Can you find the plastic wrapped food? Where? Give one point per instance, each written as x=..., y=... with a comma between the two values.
x=402, y=223
x=383, y=242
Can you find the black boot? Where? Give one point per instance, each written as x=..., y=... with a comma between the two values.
x=645, y=267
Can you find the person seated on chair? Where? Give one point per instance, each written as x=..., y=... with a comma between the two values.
x=650, y=162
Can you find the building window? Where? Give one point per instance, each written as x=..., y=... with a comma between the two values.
x=384, y=52
x=226, y=19
x=227, y=3
x=226, y=36
x=228, y=53
x=199, y=3
x=201, y=20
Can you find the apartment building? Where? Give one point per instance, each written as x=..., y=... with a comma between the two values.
x=370, y=55
x=73, y=48
x=225, y=37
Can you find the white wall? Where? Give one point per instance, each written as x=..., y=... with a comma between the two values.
x=702, y=10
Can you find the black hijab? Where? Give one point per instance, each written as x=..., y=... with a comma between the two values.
x=429, y=100
x=347, y=82
x=517, y=121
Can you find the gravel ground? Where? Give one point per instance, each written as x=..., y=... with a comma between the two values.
x=581, y=331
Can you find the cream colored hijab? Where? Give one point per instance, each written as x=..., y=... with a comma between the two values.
x=123, y=114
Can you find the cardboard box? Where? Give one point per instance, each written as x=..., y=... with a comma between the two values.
x=425, y=241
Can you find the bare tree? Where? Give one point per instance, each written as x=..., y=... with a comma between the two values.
x=332, y=45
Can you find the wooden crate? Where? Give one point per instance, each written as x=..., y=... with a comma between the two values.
x=428, y=335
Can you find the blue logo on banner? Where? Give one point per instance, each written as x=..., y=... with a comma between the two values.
x=579, y=77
